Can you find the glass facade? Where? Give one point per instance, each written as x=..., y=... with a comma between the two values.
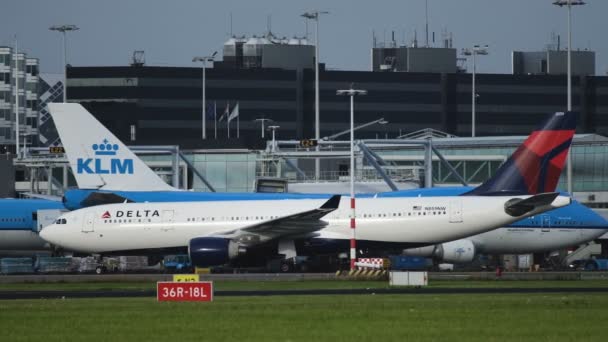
x=226, y=172
x=236, y=171
x=476, y=164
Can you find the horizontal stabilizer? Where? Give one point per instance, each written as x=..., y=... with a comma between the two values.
x=518, y=207
x=41, y=196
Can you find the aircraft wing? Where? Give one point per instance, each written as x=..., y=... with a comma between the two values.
x=301, y=223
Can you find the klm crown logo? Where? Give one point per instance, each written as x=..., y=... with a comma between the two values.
x=105, y=148
x=102, y=164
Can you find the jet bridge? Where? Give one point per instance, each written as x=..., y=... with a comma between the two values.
x=286, y=151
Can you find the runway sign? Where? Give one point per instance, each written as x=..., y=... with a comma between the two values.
x=173, y=291
x=185, y=277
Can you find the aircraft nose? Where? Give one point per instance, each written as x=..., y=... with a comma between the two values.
x=50, y=234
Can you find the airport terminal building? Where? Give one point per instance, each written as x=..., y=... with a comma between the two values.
x=160, y=105
x=266, y=81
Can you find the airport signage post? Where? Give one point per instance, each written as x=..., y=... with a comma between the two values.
x=170, y=291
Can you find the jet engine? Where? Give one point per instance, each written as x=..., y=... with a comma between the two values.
x=213, y=251
x=459, y=251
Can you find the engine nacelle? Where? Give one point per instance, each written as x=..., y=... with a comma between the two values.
x=212, y=251
x=459, y=251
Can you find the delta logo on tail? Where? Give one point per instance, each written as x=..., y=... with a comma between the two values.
x=104, y=163
x=536, y=165
x=106, y=215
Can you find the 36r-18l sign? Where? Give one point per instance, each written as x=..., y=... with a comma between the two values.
x=169, y=291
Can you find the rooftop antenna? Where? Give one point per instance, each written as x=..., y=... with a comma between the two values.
x=384, y=38
x=231, y=34
x=269, y=24
x=373, y=38
x=426, y=12
x=415, y=43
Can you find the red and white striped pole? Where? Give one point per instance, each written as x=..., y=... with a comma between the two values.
x=353, y=240
x=353, y=225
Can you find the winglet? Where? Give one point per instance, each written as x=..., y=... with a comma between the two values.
x=332, y=203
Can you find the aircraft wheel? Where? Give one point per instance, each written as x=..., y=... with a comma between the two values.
x=285, y=268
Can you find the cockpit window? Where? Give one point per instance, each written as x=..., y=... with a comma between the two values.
x=60, y=221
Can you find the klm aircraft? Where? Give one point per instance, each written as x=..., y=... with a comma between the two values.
x=19, y=223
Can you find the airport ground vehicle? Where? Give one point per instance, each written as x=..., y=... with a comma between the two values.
x=177, y=263
x=593, y=264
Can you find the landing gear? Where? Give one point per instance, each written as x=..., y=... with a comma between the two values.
x=285, y=267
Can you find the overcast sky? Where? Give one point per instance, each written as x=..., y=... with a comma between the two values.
x=172, y=32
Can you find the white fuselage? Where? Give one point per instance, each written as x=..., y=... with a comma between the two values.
x=520, y=240
x=421, y=220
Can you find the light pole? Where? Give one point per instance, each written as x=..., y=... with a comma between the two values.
x=353, y=240
x=263, y=120
x=569, y=4
x=64, y=29
x=204, y=60
x=476, y=50
x=314, y=15
x=273, y=128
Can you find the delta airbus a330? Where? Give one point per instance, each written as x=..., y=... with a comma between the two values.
x=215, y=232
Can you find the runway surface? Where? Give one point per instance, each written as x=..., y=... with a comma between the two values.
x=50, y=294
